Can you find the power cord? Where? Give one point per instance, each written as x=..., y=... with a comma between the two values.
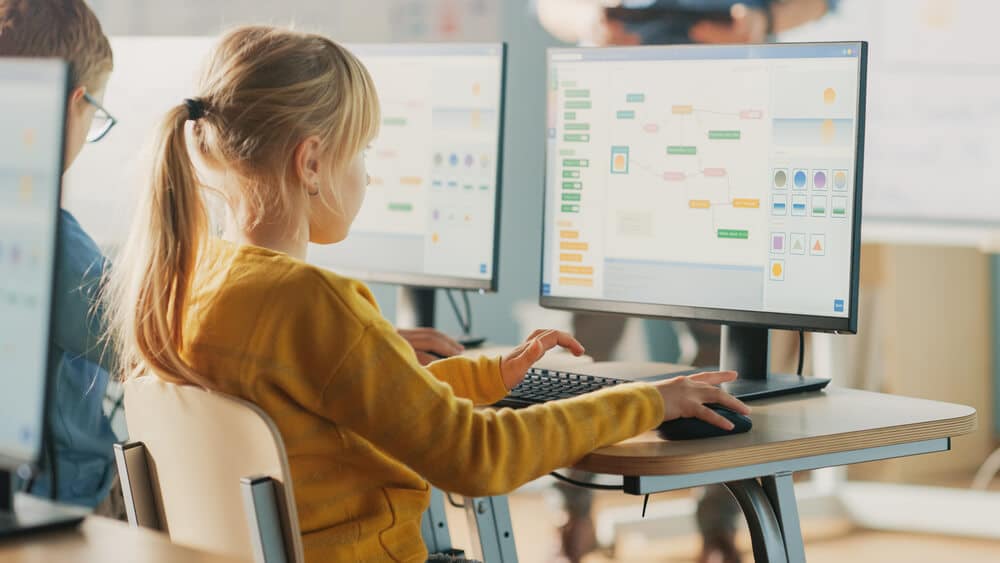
x=584, y=485
x=802, y=352
x=452, y=502
x=465, y=322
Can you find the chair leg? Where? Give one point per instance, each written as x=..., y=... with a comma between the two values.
x=491, y=530
x=434, y=526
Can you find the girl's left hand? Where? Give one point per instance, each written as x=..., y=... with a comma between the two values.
x=514, y=366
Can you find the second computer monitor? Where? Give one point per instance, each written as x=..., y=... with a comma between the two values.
x=431, y=213
x=703, y=182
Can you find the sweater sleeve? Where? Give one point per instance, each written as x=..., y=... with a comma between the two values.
x=380, y=392
x=478, y=380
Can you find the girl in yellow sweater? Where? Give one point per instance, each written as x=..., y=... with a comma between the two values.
x=282, y=121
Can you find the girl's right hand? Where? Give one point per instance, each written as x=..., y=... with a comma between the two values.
x=686, y=397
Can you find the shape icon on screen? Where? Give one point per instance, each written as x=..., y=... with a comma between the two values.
x=840, y=180
x=797, y=243
x=777, y=243
x=820, y=178
x=779, y=205
x=619, y=160
x=780, y=179
x=800, y=178
x=26, y=189
x=777, y=270
x=817, y=245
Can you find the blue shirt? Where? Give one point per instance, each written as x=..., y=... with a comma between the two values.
x=81, y=432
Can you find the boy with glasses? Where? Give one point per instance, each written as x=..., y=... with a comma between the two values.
x=79, y=466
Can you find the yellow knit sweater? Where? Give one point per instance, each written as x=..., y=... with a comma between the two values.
x=366, y=427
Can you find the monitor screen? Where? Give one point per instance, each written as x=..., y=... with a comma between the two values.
x=33, y=98
x=709, y=182
x=430, y=216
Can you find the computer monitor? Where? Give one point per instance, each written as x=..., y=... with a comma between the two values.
x=718, y=183
x=431, y=214
x=33, y=96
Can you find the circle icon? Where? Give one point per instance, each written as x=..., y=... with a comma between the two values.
x=800, y=178
x=819, y=180
x=840, y=179
x=438, y=159
x=780, y=179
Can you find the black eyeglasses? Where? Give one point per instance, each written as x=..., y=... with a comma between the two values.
x=102, y=122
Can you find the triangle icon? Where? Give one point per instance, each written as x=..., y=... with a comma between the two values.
x=798, y=245
x=818, y=247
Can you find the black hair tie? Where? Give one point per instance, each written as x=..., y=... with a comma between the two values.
x=195, y=107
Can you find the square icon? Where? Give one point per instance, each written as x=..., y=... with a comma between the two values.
x=800, y=205
x=777, y=270
x=817, y=245
x=819, y=206
x=838, y=305
x=777, y=243
x=838, y=207
x=779, y=205
x=797, y=243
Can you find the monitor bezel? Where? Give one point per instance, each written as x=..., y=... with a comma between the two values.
x=419, y=280
x=61, y=73
x=736, y=317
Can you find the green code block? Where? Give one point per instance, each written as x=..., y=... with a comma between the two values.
x=682, y=149
x=733, y=233
x=570, y=197
x=566, y=152
x=394, y=121
x=570, y=208
x=576, y=138
x=578, y=104
x=578, y=93
x=571, y=173
x=569, y=115
x=400, y=206
x=577, y=127
x=635, y=98
x=625, y=114
x=572, y=185
x=724, y=135
x=576, y=162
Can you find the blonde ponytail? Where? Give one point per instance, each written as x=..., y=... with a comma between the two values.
x=161, y=253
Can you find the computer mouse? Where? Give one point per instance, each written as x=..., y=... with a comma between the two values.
x=695, y=428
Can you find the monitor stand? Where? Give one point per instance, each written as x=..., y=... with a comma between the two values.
x=745, y=350
x=33, y=515
x=415, y=308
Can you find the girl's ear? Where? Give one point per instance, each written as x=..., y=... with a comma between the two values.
x=307, y=163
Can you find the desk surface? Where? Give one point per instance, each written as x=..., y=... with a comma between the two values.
x=104, y=540
x=831, y=421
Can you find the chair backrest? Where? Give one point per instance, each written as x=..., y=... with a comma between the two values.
x=200, y=445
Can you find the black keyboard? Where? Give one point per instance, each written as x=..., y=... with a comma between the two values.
x=543, y=385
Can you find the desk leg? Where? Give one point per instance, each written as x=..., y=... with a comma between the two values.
x=781, y=492
x=490, y=529
x=765, y=529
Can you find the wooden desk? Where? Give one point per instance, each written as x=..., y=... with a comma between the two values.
x=792, y=433
x=100, y=540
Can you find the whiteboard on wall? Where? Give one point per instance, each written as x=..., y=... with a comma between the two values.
x=932, y=154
